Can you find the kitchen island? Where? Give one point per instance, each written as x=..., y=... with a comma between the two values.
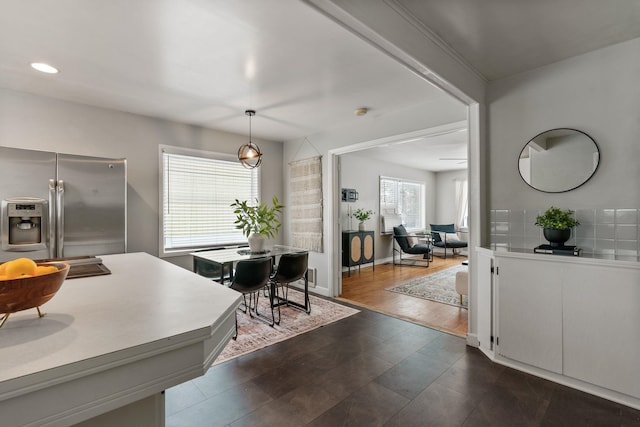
x=109, y=345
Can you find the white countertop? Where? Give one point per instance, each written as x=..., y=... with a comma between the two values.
x=618, y=261
x=145, y=307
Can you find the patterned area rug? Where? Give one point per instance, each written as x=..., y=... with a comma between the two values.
x=439, y=287
x=254, y=334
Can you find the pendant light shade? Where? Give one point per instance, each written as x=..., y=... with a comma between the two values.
x=249, y=154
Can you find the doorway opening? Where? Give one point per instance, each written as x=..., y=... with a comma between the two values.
x=436, y=159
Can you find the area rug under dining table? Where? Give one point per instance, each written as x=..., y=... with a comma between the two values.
x=254, y=334
x=438, y=287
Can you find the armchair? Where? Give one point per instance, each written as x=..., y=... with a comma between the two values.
x=401, y=238
x=445, y=237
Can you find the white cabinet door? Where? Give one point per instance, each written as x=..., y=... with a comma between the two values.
x=484, y=305
x=601, y=313
x=530, y=312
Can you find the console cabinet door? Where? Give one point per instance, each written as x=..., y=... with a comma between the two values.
x=530, y=312
x=602, y=327
x=367, y=247
x=484, y=271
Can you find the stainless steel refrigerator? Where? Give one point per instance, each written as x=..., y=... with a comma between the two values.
x=58, y=205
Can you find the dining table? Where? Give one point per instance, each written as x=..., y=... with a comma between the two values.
x=223, y=260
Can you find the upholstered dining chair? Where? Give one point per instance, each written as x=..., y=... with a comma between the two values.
x=404, y=246
x=291, y=268
x=444, y=236
x=251, y=276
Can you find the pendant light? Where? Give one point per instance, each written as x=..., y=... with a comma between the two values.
x=249, y=154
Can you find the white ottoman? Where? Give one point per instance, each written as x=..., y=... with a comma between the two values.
x=462, y=283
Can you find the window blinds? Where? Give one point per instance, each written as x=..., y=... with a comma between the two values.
x=405, y=198
x=197, y=194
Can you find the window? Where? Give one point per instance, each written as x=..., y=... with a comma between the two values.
x=197, y=188
x=462, y=203
x=406, y=198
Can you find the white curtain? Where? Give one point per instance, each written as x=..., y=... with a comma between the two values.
x=462, y=200
x=305, y=178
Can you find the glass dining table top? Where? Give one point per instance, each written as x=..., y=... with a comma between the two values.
x=224, y=256
x=221, y=261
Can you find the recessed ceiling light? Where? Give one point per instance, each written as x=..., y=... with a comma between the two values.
x=45, y=68
x=361, y=111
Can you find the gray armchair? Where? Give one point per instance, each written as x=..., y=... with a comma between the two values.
x=441, y=234
x=401, y=245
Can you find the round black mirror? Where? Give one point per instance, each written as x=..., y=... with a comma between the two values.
x=559, y=160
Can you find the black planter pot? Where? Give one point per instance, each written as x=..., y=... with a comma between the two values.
x=556, y=237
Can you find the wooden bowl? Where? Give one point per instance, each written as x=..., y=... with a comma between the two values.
x=30, y=292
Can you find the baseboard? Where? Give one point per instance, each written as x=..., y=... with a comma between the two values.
x=602, y=392
x=472, y=340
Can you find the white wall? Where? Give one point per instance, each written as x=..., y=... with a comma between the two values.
x=446, y=195
x=362, y=173
x=597, y=93
x=39, y=123
x=360, y=130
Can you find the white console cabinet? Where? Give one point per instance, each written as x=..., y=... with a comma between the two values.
x=601, y=327
x=530, y=316
x=574, y=320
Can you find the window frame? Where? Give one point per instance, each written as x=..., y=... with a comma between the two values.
x=397, y=208
x=191, y=152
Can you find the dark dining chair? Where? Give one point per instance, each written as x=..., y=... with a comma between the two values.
x=291, y=268
x=251, y=276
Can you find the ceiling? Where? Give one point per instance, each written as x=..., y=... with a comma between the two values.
x=500, y=38
x=204, y=62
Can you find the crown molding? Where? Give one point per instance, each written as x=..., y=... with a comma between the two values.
x=408, y=16
x=334, y=10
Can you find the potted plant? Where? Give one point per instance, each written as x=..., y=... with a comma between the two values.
x=362, y=215
x=258, y=221
x=556, y=225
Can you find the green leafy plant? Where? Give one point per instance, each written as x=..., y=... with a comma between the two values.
x=557, y=219
x=362, y=215
x=259, y=218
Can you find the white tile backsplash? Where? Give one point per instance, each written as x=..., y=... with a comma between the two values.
x=605, y=216
x=607, y=232
x=586, y=231
x=501, y=215
x=627, y=216
x=586, y=217
x=626, y=232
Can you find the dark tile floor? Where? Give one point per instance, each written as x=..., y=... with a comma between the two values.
x=375, y=370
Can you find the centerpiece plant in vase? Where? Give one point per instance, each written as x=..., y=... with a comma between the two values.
x=258, y=221
x=556, y=225
x=362, y=215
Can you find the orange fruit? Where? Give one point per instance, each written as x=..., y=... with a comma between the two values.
x=21, y=267
x=45, y=269
x=3, y=277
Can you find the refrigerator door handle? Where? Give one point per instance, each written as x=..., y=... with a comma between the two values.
x=60, y=218
x=51, y=229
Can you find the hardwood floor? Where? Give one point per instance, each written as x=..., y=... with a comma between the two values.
x=366, y=288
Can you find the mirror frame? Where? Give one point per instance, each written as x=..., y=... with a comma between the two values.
x=597, y=148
